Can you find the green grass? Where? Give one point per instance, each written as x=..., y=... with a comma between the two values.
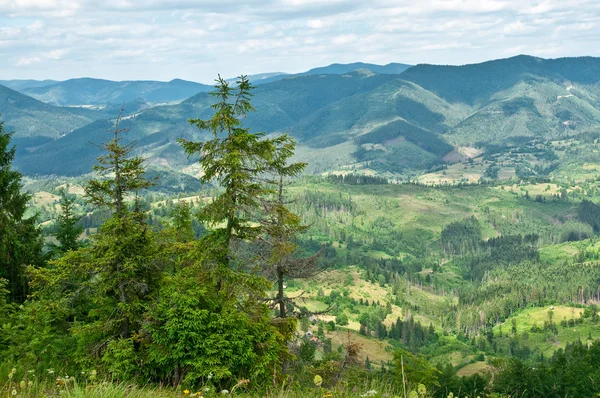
x=120, y=390
x=546, y=342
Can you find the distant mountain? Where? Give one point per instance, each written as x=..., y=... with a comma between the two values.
x=34, y=122
x=280, y=105
x=476, y=84
x=340, y=69
x=335, y=69
x=262, y=78
x=387, y=122
x=19, y=85
x=518, y=98
x=87, y=91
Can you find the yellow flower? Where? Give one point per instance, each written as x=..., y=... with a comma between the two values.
x=318, y=380
x=186, y=392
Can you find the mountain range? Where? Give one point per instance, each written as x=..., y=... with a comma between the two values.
x=391, y=118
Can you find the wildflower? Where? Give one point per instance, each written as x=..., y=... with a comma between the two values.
x=186, y=392
x=369, y=393
x=210, y=375
x=30, y=383
x=421, y=389
x=413, y=394
x=50, y=371
x=318, y=380
x=224, y=392
x=14, y=392
x=22, y=384
x=327, y=395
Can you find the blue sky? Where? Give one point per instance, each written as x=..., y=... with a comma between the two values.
x=196, y=39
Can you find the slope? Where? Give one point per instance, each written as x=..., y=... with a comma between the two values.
x=35, y=122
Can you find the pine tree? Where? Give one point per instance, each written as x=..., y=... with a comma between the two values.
x=118, y=273
x=212, y=302
x=182, y=222
x=67, y=228
x=124, y=247
x=120, y=173
x=235, y=158
x=20, y=240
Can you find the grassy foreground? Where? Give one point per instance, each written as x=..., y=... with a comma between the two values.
x=72, y=389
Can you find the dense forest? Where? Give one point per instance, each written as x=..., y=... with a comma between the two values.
x=231, y=290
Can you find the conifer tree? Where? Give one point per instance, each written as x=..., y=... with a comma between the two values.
x=124, y=246
x=236, y=159
x=281, y=227
x=67, y=229
x=118, y=273
x=20, y=239
x=212, y=302
x=120, y=174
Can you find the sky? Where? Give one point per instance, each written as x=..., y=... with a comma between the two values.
x=198, y=39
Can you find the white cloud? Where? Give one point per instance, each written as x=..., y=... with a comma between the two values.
x=196, y=39
x=518, y=28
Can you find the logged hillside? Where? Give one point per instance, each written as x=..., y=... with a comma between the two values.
x=397, y=124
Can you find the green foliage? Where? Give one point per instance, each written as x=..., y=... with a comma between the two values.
x=20, y=240
x=235, y=158
x=589, y=212
x=307, y=351
x=121, y=174
x=182, y=222
x=67, y=225
x=408, y=366
x=342, y=319
x=461, y=236
x=198, y=333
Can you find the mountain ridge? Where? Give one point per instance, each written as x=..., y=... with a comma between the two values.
x=429, y=110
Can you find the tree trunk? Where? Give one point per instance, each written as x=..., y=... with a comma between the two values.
x=280, y=297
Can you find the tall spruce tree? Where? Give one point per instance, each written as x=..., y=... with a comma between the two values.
x=109, y=285
x=124, y=246
x=213, y=302
x=120, y=174
x=20, y=240
x=236, y=159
